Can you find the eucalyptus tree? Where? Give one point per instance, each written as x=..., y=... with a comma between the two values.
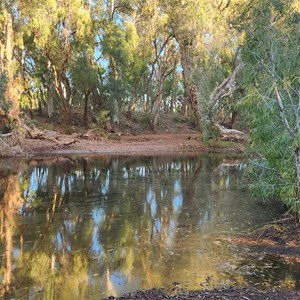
x=272, y=81
x=9, y=106
x=59, y=31
x=218, y=65
x=117, y=37
x=187, y=24
x=164, y=64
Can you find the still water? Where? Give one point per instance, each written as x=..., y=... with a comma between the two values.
x=89, y=228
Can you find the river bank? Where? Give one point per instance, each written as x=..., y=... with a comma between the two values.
x=143, y=144
x=216, y=294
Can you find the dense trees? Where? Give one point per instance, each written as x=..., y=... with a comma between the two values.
x=113, y=55
x=157, y=56
x=271, y=78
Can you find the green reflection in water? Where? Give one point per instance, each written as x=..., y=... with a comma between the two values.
x=90, y=228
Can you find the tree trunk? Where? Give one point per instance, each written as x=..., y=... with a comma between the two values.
x=297, y=153
x=156, y=104
x=7, y=64
x=50, y=107
x=64, y=91
x=11, y=203
x=85, y=114
x=115, y=112
x=190, y=87
x=132, y=103
x=225, y=89
x=173, y=94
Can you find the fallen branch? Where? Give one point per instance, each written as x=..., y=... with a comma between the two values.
x=37, y=134
x=230, y=134
x=4, y=135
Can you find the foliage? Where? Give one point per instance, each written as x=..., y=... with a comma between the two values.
x=102, y=117
x=217, y=143
x=5, y=104
x=271, y=78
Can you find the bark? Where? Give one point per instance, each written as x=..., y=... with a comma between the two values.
x=50, y=107
x=37, y=134
x=173, y=95
x=156, y=104
x=6, y=63
x=85, y=114
x=115, y=112
x=64, y=90
x=165, y=66
x=297, y=153
x=132, y=103
x=225, y=89
x=190, y=87
x=230, y=134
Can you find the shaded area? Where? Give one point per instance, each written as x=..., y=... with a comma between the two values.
x=216, y=294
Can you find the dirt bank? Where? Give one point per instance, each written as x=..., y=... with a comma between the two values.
x=160, y=143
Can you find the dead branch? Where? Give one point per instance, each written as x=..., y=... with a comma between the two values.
x=225, y=89
x=230, y=134
x=4, y=135
x=37, y=134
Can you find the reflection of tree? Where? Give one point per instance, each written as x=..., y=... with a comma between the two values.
x=9, y=205
x=97, y=224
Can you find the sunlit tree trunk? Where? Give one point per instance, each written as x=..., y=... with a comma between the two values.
x=297, y=153
x=85, y=113
x=6, y=62
x=114, y=105
x=173, y=94
x=157, y=102
x=165, y=66
x=190, y=87
x=64, y=91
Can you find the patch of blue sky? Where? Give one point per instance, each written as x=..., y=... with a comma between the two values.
x=142, y=171
x=177, y=202
x=70, y=225
x=104, y=187
x=171, y=232
x=177, y=186
x=96, y=247
x=157, y=226
x=97, y=215
x=125, y=173
x=153, y=208
x=58, y=242
x=150, y=195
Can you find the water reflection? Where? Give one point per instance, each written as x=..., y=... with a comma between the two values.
x=90, y=228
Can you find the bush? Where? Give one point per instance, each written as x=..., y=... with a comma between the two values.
x=102, y=117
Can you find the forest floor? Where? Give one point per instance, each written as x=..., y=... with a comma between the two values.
x=173, y=136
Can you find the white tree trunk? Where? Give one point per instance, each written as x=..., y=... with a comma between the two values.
x=190, y=88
